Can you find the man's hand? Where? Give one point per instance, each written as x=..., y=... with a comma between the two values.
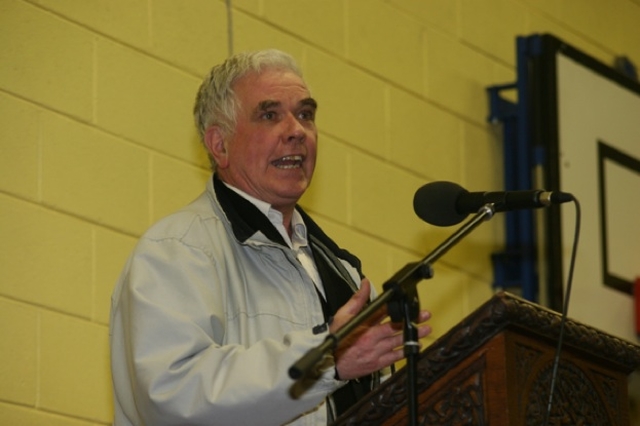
x=374, y=344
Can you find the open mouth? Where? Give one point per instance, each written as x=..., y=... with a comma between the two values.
x=288, y=162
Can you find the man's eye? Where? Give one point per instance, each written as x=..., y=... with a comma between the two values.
x=269, y=115
x=307, y=115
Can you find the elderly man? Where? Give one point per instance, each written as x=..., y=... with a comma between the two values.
x=218, y=300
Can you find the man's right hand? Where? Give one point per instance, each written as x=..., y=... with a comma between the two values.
x=375, y=344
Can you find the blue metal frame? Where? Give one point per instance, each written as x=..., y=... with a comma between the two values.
x=515, y=267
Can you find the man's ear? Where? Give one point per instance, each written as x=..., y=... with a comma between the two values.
x=215, y=142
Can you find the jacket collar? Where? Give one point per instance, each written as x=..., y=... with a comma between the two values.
x=246, y=220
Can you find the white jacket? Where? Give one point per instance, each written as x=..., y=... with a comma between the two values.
x=207, y=319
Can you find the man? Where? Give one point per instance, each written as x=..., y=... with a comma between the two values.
x=219, y=299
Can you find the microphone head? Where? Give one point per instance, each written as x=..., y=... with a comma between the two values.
x=435, y=203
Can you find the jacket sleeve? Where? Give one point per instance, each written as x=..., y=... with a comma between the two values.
x=170, y=362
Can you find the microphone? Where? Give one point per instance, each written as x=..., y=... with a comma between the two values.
x=446, y=203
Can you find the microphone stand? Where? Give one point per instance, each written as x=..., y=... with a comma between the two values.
x=401, y=297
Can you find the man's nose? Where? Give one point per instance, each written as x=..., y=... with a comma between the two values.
x=295, y=131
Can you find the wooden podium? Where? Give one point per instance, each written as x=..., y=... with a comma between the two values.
x=494, y=368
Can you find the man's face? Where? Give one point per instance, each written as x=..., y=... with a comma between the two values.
x=272, y=153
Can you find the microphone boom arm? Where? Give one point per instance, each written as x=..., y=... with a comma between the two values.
x=401, y=296
x=403, y=282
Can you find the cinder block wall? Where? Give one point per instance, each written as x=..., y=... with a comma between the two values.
x=97, y=142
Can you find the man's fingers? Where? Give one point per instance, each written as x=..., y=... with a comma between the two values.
x=359, y=299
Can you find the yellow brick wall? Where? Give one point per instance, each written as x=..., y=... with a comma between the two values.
x=97, y=142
